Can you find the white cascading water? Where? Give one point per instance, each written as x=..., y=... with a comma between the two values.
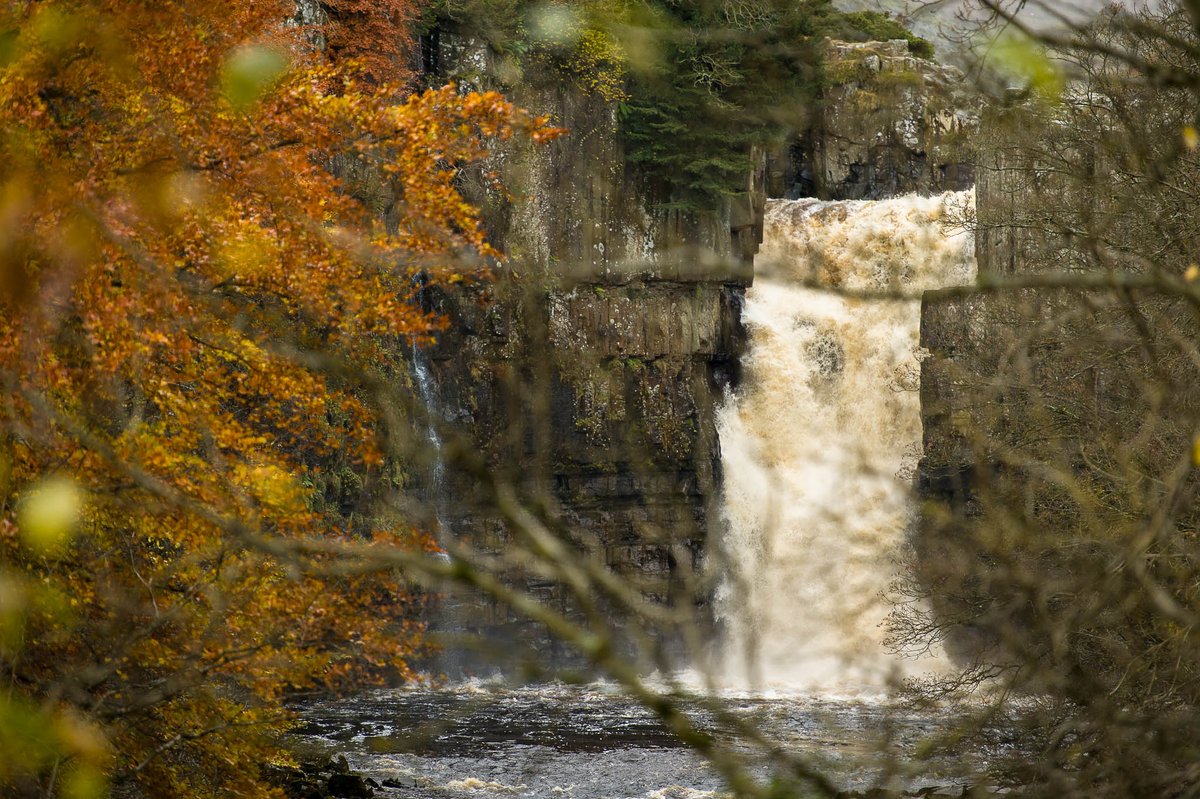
x=819, y=442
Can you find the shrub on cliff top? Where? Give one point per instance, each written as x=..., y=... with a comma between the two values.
x=701, y=83
x=864, y=26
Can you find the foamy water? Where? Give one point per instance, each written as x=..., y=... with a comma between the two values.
x=819, y=445
x=492, y=740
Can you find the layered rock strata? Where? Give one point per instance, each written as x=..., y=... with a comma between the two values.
x=588, y=374
x=889, y=124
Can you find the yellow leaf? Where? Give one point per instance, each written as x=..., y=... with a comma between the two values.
x=85, y=782
x=1021, y=58
x=49, y=514
x=251, y=72
x=82, y=737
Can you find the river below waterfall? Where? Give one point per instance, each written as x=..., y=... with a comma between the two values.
x=477, y=741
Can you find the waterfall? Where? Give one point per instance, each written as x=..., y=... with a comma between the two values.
x=819, y=444
x=425, y=387
x=436, y=491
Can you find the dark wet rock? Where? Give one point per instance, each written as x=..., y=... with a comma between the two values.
x=297, y=783
x=400, y=782
x=349, y=786
x=934, y=791
x=928, y=792
x=330, y=779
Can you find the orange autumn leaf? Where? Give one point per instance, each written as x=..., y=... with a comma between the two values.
x=175, y=230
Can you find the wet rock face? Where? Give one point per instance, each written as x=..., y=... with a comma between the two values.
x=1024, y=392
x=575, y=211
x=600, y=400
x=589, y=373
x=891, y=124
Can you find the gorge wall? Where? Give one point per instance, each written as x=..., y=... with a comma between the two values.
x=1010, y=388
x=1054, y=415
x=890, y=123
x=590, y=372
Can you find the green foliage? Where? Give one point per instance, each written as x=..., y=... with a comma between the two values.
x=249, y=73
x=862, y=26
x=495, y=21
x=1023, y=60
x=728, y=80
x=698, y=162
x=700, y=83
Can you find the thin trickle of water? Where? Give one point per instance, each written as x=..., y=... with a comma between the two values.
x=436, y=491
x=425, y=387
x=818, y=444
x=434, y=414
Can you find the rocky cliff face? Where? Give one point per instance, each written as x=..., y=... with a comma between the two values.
x=1052, y=417
x=1055, y=423
x=999, y=360
x=890, y=124
x=589, y=373
x=1001, y=391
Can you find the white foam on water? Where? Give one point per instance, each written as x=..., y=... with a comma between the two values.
x=477, y=784
x=819, y=443
x=683, y=792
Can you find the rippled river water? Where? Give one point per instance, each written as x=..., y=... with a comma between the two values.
x=591, y=742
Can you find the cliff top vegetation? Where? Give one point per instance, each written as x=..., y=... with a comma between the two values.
x=699, y=86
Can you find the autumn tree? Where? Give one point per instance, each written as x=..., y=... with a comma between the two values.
x=374, y=33
x=187, y=291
